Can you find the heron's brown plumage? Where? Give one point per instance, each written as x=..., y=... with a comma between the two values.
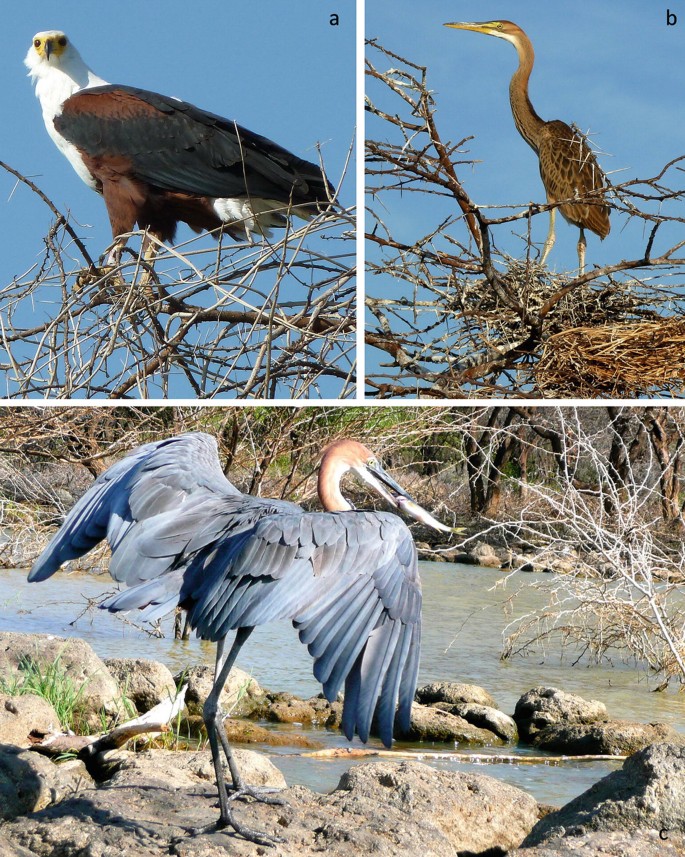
x=568, y=166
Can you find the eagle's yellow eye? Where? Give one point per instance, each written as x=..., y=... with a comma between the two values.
x=36, y=43
x=62, y=41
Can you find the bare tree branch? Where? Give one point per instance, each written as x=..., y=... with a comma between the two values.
x=455, y=317
x=274, y=319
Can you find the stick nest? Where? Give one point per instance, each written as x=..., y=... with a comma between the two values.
x=618, y=360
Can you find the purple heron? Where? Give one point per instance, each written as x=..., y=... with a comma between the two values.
x=568, y=166
x=181, y=534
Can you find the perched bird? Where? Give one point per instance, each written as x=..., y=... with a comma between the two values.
x=181, y=534
x=158, y=160
x=568, y=166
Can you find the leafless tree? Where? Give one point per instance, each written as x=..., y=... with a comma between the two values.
x=451, y=316
x=272, y=319
x=593, y=500
x=620, y=568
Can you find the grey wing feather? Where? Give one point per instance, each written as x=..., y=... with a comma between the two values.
x=181, y=534
x=358, y=612
x=154, y=479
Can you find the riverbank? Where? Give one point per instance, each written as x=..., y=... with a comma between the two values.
x=143, y=802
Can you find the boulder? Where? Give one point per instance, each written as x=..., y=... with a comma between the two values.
x=240, y=697
x=609, y=737
x=559, y=722
x=100, y=694
x=646, y=794
x=11, y=849
x=454, y=692
x=146, y=683
x=29, y=781
x=287, y=708
x=429, y=723
x=484, y=554
x=649, y=843
x=25, y=717
x=384, y=809
x=542, y=707
x=247, y=732
x=486, y=717
x=178, y=769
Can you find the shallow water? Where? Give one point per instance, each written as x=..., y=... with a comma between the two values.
x=463, y=622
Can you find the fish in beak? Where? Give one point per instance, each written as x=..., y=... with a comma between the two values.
x=374, y=475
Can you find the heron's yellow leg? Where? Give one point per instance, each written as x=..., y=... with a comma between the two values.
x=582, y=244
x=549, y=241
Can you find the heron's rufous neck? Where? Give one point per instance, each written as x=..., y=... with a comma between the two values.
x=527, y=121
x=331, y=472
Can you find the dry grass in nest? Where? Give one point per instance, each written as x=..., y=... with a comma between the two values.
x=621, y=360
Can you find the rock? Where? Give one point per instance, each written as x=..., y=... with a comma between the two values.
x=482, y=553
x=473, y=812
x=240, y=697
x=286, y=708
x=616, y=844
x=247, y=732
x=454, y=692
x=26, y=715
x=486, y=717
x=146, y=683
x=429, y=723
x=550, y=719
x=84, y=668
x=184, y=769
x=646, y=793
x=609, y=737
x=10, y=849
x=542, y=707
x=29, y=781
x=328, y=714
x=384, y=809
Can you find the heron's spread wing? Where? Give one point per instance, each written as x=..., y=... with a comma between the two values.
x=348, y=581
x=180, y=533
x=569, y=168
x=155, y=479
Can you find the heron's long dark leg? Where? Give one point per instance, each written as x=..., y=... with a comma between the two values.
x=582, y=244
x=549, y=241
x=213, y=717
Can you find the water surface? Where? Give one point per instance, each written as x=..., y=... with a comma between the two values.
x=464, y=616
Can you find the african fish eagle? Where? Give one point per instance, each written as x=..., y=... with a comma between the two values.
x=158, y=160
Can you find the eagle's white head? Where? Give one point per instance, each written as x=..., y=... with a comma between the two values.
x=57, y=69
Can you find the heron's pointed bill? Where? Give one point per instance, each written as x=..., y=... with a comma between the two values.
x=374, y=475
x=488, y=27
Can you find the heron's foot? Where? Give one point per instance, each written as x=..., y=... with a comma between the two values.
x=259, y=837
x=263, y=794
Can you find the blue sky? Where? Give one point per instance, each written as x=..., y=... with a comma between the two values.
x=615, y=69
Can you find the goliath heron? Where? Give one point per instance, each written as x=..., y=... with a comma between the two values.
x=181, y=534
x=568, y=166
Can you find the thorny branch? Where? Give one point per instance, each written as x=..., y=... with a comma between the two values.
x=454, y=317
x=273, y=319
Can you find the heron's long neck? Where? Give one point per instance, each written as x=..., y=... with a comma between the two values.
x=527, y=121
x=328, y=486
